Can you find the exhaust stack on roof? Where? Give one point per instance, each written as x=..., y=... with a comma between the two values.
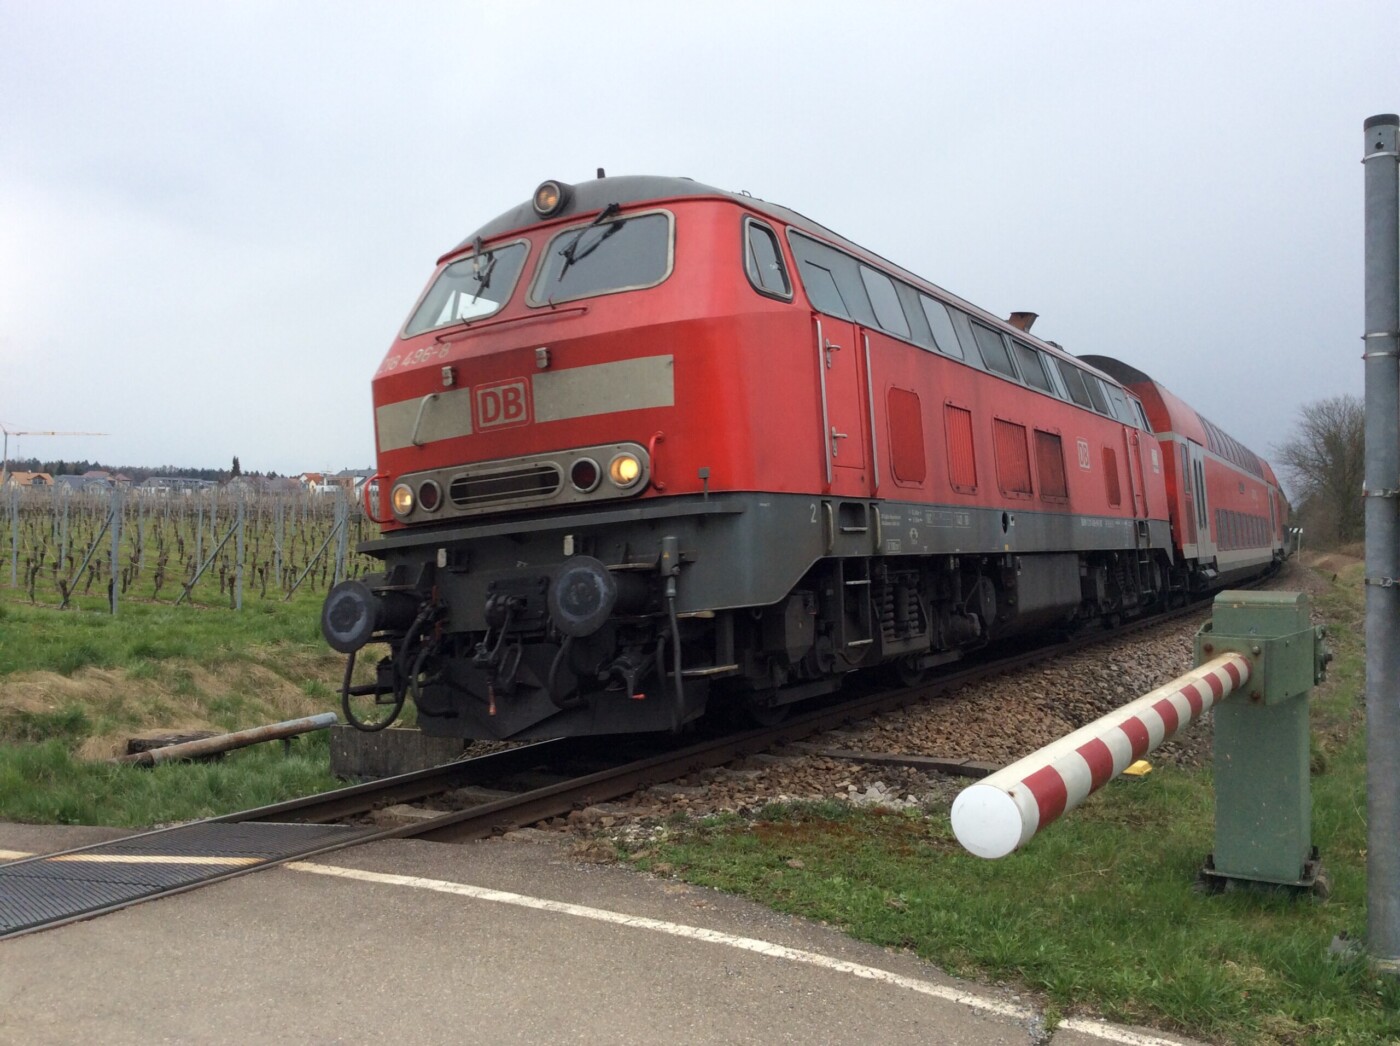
x=1022, y=320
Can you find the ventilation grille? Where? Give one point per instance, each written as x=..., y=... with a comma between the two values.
x=528, y=483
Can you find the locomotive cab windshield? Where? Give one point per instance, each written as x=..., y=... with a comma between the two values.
x=470, y=288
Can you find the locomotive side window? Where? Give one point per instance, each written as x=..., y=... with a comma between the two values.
x=1096, y=395
x=624, y=254
x=945, y=338
x=832, y=280
x=1120, y=405
x=469, y=289
x=1142, y=415
x=763, y=261
x=1031, y=366
x=822, y=290
x=994, y=352
x=884, y=299
x=1073, y=378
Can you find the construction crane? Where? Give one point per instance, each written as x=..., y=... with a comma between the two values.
x=8, y=432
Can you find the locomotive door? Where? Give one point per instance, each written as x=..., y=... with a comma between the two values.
x=1187, y=484
x=840, y=363
x=1137, y=481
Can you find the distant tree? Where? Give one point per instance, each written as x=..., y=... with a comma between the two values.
x=1324, y=464
x=236, y=470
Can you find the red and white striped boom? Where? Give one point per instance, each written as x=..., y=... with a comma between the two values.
x=1002, y=812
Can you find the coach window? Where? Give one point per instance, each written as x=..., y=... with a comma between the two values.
x=888, y=313
x=944, y=336
x=763, y=261
x=1031, y=366
x=993, y=348
x=624, y=254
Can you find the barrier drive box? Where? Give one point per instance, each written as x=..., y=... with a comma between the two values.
x=1263, y=800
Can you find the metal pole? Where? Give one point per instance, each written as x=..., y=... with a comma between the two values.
x=1382, y=493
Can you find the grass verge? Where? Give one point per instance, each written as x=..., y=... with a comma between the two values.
x=1100, y=913
x=74, y=684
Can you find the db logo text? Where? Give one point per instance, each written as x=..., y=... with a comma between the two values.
x=501, y=404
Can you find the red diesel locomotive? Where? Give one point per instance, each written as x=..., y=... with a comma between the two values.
x=646, y=447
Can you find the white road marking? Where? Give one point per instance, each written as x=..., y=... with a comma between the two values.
x=1125, y=1036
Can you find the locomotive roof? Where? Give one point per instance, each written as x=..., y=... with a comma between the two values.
x=594, y=195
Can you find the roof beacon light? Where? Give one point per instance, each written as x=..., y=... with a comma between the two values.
x=551, y=197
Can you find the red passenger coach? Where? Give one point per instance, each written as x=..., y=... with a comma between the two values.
x=1228, y=511
x=648, y=448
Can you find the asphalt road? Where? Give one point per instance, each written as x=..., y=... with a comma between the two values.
x=510, y=941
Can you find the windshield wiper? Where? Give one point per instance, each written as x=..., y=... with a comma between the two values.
x=482, y=276
x=569, y=252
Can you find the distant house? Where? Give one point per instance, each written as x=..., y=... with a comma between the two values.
x=86, y=483
x=283, y=485
x=112, y=479
x=168, y=486
x=37, y=480
x=352, y=480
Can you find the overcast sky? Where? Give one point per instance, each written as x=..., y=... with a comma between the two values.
x=215, y=217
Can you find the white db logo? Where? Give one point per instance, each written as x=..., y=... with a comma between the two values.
x=505, y=403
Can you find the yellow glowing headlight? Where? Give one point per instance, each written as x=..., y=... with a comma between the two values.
x=402, y=499
x=550, y=198
x=625, y=470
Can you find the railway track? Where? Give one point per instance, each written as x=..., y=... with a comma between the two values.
x=493, y=793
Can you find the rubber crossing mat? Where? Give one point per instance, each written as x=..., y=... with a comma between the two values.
x=57, y=888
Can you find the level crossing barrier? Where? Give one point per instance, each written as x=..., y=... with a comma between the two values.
x=1259, y=646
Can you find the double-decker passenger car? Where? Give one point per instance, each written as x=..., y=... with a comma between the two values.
x=1228, y=512
x=646, y=447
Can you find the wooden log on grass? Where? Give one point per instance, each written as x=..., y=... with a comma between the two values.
x=226, y=742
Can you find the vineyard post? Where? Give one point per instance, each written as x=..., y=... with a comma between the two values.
x=213, y=513
x=342, y=517
x=238, y=564
x=277, y=539
x=199, y=529
x=114, y=582
x=63, y=532
x=14, y=534
x=140, y=535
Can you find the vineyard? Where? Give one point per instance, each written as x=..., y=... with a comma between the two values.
x=214, y=548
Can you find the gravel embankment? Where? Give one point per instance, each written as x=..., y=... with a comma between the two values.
x=995, y=722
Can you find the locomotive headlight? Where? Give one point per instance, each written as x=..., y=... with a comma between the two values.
x=551, y=197
x=625, y=470
x=401, y=499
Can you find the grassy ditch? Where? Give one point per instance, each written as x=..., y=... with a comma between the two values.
x=1100, y=913
x=75, y=684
